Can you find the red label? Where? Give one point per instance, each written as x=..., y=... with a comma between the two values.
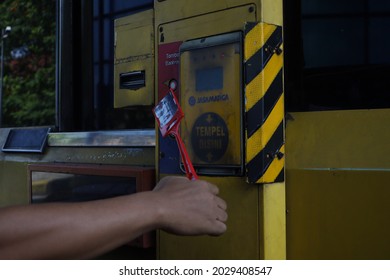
x=168, y=67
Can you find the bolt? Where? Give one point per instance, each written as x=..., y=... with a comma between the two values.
x=278, y=50
x=279, y=155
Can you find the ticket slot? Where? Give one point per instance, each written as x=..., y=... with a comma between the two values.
x=132, y=80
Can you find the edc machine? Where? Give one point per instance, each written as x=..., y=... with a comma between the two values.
x=211, y=97
x=227, y=67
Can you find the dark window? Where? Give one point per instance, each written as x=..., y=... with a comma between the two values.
x=339, y=55
x=104, y=14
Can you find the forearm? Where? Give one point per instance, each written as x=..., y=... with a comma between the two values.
x=88, y=229
x=77, y=230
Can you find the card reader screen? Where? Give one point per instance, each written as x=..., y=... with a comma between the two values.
x=209, y=79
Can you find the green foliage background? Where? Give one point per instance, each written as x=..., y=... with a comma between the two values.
x=29, y=82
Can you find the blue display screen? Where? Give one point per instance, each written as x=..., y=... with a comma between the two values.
x=209, y=79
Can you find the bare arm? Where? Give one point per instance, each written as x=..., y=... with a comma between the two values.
x=88, y=229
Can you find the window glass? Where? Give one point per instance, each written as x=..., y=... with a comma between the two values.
x=333, y=42
x=379, y=44
x=120, y=5
x=379, y=6
x=343, y=60
x=312, y=7
x=105, y=13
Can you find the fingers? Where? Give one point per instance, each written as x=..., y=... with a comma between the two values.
x=219, y=224
x=221, y=203
x=193, y=207
x=205, y=184
x=222, y=216
x=217, y=209
x=219, y=229
x=213, y=188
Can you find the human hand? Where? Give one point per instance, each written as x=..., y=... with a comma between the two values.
x=190, y=207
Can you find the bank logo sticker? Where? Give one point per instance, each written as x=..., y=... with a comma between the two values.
x=213, y=98
x=192, y=101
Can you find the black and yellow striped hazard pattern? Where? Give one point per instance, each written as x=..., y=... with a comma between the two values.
x=264, y=103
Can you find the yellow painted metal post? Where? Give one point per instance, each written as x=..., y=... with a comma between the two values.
x=274, y=195
x=273, y=214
